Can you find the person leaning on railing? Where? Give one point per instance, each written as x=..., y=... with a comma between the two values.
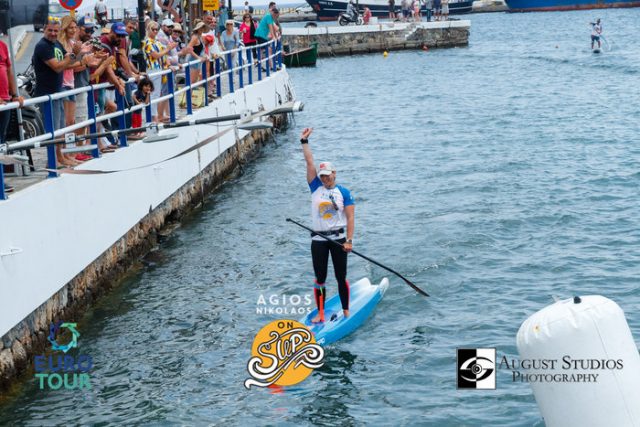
x=268, y=28
x=230, y=39
x=196, y=47
x=49, y=60
x=156, y=55
x=8, y=93
x=248, y=31
x=66, y=37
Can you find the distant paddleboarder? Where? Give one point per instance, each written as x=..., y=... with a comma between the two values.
x=333, y=215
x=596, y=31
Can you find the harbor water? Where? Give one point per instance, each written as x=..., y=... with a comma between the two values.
x=497, y=177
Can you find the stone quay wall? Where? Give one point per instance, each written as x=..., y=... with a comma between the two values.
x=333, y=41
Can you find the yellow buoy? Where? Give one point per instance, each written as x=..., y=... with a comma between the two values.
x=385, y=53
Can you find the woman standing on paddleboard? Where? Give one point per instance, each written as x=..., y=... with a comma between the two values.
x=332, y=214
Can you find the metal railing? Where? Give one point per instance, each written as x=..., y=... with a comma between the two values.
x=239, y=62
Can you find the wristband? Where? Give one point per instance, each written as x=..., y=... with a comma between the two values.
x=304, y=141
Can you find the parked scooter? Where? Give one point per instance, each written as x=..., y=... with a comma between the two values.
x=351, y=16
x=31, y=116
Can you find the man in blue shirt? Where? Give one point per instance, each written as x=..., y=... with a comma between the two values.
x=268, y=29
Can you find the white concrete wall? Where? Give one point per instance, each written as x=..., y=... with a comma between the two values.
x=51, y=231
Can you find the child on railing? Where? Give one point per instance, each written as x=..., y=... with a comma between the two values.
x=142, y=96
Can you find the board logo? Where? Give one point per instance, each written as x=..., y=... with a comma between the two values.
x=476, y=368
x=284, y=353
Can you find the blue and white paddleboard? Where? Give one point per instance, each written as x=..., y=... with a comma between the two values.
x=363, y=300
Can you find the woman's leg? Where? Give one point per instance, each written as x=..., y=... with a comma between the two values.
x=320, y=258
x=339, y=259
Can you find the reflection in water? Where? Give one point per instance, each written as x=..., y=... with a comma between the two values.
x=330, y=405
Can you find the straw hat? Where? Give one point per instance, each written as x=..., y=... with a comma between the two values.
x=198, y=26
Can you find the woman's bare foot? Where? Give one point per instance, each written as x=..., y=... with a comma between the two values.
x=346, y=313
x=317, y=319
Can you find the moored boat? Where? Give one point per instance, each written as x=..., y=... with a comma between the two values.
x=302, y=57
x=560, y=5
x=329, y=10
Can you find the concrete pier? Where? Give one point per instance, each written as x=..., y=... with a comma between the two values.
x=380, y=37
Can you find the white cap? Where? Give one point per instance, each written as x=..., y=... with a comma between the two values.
x=167, y=22
x=325, y=168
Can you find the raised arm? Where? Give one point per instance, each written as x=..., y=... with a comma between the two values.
x=308, y=156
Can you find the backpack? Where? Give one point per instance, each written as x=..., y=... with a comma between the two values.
x=252, y=30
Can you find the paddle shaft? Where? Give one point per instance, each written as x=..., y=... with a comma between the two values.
x=407, y=281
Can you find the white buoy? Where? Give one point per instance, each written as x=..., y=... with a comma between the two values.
x=586, y=336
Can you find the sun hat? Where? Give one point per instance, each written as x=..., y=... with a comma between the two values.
x=167, y=22
x=199, y=25
x=326, y=168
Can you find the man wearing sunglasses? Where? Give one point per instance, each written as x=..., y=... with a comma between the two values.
x=333, y=216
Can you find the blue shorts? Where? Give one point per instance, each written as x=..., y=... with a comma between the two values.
x=70, y=98
x=595, y=38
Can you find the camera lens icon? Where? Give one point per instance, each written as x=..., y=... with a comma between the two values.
x=476, y=369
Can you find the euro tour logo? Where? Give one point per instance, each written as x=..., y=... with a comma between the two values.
x=477, y=368
x=62, y=370
x=284, y=353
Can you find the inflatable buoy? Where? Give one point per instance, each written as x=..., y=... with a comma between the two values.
x=425, y=48
x=385, y=53
x=594, y=381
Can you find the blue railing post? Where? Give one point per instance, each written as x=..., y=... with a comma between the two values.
x=218, y=79
x=240, y=69
x=147, y=111
x=268, y=66
x=205, y=74
x=230, y=69
x=258, y=52
x=250, y=67
x=50, y=128
x=122, y=122
x=93, y=128
x=187, y=80
x=274, y=50
x=279, y=53
x=172, y=101
x=2, y=195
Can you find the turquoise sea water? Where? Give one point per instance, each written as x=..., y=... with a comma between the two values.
x=495, y=176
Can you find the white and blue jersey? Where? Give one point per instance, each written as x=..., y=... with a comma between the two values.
x=327, y=208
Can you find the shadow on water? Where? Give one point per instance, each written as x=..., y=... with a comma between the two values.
x=329, y=405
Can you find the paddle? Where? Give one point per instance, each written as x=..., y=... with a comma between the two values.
x=407, y=281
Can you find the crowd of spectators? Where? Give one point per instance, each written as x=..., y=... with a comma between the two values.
x=75, y=53
x=437, y=10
